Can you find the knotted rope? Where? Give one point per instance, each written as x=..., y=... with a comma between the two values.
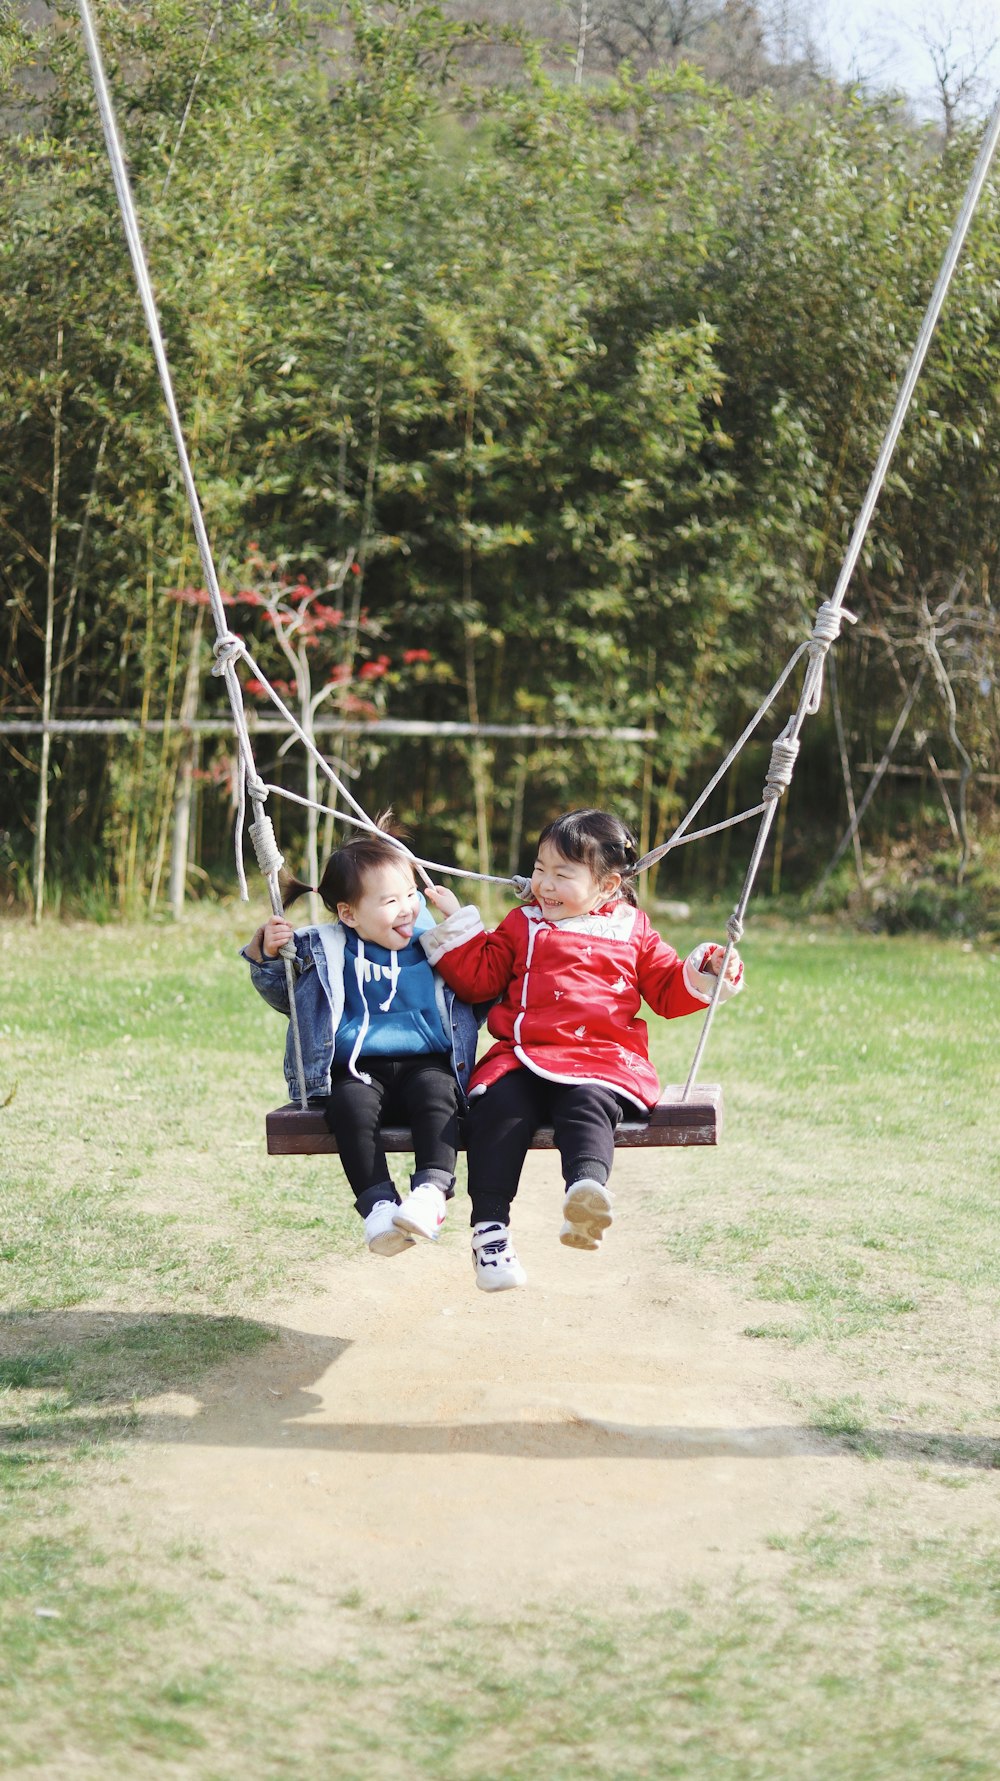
x=784, y=753
x=826, y=630
x=228, y=647
x=827, y=625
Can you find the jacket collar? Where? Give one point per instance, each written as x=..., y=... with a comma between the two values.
x=612, y=921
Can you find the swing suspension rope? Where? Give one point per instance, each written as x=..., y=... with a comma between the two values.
x=230, y=649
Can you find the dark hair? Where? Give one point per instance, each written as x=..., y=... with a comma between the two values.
x=343, y=878
x=597, y=840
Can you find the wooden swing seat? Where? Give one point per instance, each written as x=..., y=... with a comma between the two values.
x=302, y=1131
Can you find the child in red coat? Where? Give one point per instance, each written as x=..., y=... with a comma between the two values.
x=570, y=969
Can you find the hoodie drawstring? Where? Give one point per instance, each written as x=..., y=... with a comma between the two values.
x=364, y=971
x=393, y=981
x=360, y=974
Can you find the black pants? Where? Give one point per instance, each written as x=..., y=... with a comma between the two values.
x=502, y=1122
x=420, y=1092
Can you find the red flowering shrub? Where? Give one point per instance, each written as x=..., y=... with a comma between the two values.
x=298, y=621
x=198, y=596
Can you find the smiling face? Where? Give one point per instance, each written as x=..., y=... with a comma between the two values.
x=386, y=909
x=566, y=888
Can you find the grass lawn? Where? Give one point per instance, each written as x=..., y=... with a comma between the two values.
x=145, y=1239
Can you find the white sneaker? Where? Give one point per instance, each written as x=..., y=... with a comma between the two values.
x=381, y=1234
x=422, y=1212
x=495, y=1259
x=587, y=1209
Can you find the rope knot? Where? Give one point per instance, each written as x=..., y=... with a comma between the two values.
x=269, y=856
x=784, y=753
x=734, y=928
x=522, y=885
x=227, y=649
x=825, y=631
x=826, y=628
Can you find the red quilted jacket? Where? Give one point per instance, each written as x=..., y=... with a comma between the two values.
x=569, y=992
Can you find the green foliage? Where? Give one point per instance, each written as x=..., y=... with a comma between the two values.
x=587, y=381
x=931, y=895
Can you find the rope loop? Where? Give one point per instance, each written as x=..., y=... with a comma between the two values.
x=522, y=885
x=784, y=753
x=734, y=928
x=269, y=856
x=227, y=649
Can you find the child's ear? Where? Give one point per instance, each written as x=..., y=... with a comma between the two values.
x=346, y=914
x=612, y=884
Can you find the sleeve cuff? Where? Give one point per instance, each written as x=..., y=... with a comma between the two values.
x=253, y=951
x=255, y=955
x=451, y=933
x=701, y=984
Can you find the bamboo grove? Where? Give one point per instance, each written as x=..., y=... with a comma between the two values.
x=510, y=401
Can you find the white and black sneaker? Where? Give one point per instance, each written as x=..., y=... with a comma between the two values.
x=586, y=1215
x=495, y=1258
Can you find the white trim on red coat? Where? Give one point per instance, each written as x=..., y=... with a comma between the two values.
x=600, y=925
x=616, y=1088
x=456, y=930
x=702, y=983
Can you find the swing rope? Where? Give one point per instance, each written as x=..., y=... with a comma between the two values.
x=230, y=649
x=786, y=746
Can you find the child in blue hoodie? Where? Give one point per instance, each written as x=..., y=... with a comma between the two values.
x=383, y=1038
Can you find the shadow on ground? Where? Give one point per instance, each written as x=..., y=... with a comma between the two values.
x=88, y=1377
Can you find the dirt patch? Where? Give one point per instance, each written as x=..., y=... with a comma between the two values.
x=607, y=1430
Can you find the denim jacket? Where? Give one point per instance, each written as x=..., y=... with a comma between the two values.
x=319, y=1003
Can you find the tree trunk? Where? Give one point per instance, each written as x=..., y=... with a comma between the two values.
x=307, y=718
x=517, y=814
x=50, y=605
x=185, y=775
x=845, y=768
x=478, y=752
x=343, y=762
x=312, y=831
x=160, y=825
x=135, y=850
x=479, y=758
x=581, y=46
